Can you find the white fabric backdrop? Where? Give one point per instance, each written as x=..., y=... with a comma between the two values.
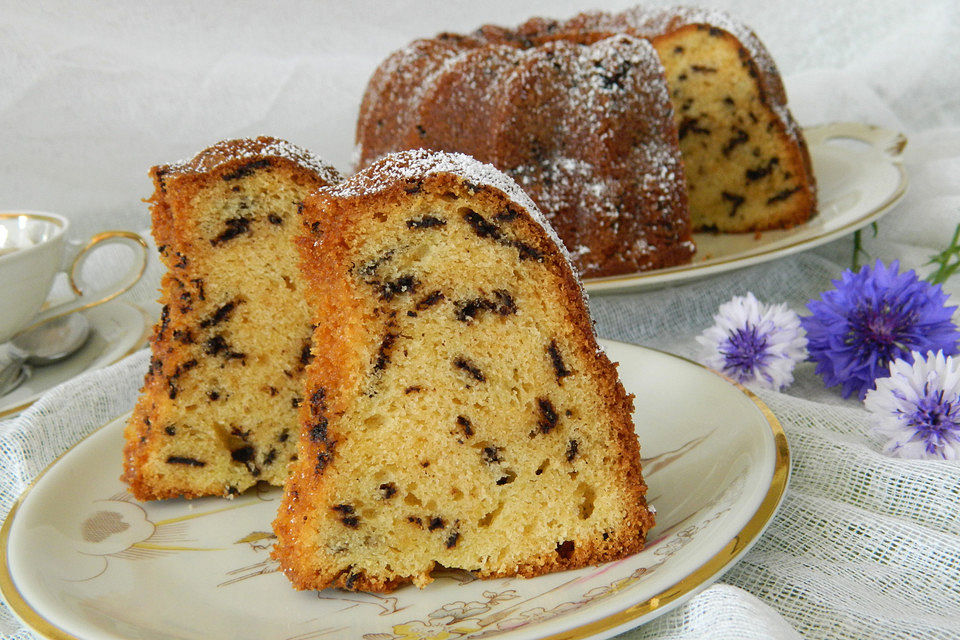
x=865, y=546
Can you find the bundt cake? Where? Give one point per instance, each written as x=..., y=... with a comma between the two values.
x=459, y=412
x=497, y=94
x=218, y=410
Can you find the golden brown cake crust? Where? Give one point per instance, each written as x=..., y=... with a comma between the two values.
x=333, y=216
x=187, y=336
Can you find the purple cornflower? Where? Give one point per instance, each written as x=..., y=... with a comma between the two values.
x=918, y=407
x=872, y=318
x=754, y=342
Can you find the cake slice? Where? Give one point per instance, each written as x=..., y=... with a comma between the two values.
x=458, y=411
x=218, y=409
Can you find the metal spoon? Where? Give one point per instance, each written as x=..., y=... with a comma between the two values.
x=13, y=371
x=51, y=341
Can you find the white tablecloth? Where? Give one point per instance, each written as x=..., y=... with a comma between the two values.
x=864, y=546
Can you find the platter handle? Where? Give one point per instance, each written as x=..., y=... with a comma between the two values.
x=887, y=141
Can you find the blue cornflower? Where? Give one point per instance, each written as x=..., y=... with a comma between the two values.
x=918, y=407
x=754, y=342
x=872, y=318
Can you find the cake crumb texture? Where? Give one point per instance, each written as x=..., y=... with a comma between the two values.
x=218, y=409
x=458, y=411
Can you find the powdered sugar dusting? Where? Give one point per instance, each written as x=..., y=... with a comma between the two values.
x=417, y=164
x=649, y=23
x=397, y=87
x=612, y=162
x=577, y=111
x=252, y=149
x=653, y=22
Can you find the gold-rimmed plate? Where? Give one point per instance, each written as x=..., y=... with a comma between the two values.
x=860, y=177
x=82, y=559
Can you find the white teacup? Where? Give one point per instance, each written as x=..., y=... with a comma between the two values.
x=33, y=249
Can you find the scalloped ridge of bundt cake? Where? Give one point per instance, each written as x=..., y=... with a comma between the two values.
x=745, y=164
x=218, y=409
x=586, y=129
x=459, y=411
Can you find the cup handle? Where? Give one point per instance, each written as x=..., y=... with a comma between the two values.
x=87, y=295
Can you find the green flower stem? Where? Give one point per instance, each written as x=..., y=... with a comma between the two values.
x=948, y=260
x=858, y=249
